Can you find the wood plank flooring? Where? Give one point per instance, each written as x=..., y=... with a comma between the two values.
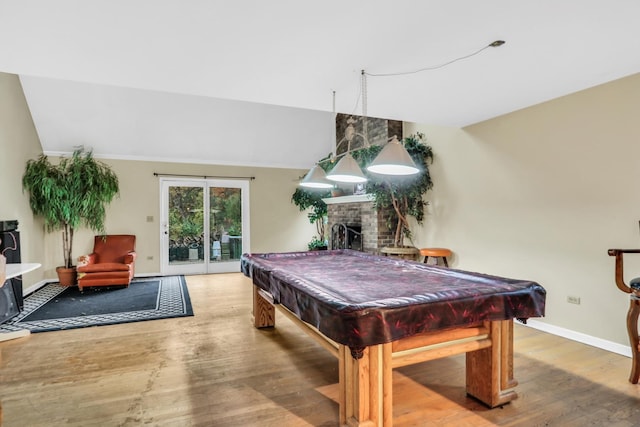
x=215, y=369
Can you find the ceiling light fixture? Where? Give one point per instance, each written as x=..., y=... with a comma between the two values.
x=393, y=160
x=347, y=169
x=316, y=178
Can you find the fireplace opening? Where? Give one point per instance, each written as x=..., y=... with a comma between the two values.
x=344, y=236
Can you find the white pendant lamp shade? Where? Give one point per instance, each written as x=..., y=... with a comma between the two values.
x=393, y=160
x=347, y=170
x=316, y=178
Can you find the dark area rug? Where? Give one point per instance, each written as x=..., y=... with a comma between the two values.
x=55, y=307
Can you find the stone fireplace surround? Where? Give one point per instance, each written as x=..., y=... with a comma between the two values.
x=359, y=211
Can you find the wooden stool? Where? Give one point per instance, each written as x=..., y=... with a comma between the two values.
x=437, y=253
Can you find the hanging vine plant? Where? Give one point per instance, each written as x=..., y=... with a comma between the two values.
x=312, y=199
x=401, y=195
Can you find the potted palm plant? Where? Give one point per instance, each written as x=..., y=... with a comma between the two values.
x=72, y=193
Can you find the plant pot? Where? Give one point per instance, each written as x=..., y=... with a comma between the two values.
x=405, y=252
x=67, y=276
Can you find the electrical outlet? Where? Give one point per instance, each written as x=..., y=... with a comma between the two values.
x=150, y=257
x=150, y=218
x=573, y=300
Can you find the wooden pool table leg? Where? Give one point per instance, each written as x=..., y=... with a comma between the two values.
x=490, y=370
x=366, y=398
x=264, y=313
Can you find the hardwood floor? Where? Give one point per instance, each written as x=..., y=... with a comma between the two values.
x=215, y=369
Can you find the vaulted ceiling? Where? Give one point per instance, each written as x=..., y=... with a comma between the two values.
x=250, y=82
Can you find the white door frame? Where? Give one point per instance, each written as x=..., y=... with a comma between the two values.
x=206, y=266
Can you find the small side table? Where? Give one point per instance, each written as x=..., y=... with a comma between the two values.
x=437, y=253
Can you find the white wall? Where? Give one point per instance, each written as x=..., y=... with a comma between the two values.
x=18, y=143
x=276, y=223
x=538, y=194
x=541, y=194
x=135, y=124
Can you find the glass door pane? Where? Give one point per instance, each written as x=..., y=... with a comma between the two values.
x=184, y=235
x=227, y=225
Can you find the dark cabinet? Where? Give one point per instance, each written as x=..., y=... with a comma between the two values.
x=10, y=248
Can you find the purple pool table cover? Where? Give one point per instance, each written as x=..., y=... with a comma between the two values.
x=358, y=300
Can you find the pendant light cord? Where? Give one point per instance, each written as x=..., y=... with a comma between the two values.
x=364, y=108
x=364, y=93
x=496, y=43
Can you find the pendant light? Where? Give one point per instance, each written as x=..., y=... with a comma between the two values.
x=347, y=170
x=316, y=178
x=393, y=160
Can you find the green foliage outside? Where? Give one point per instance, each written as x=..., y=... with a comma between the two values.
x=185, y=214
x=230, y=211
x=186, y=217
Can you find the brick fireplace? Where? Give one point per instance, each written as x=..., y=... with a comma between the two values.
x=358, y=212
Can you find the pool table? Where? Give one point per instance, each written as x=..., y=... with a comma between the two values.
x=378, y=313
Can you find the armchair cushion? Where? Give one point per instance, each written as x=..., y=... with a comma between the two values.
x=105, y=266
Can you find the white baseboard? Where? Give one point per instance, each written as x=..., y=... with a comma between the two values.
x=6, y=336
x=31, y=289
x=611, y=346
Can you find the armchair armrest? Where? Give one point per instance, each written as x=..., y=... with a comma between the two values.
x=130, y=257
x=618, y=253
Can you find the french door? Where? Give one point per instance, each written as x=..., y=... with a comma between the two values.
x=204, y=225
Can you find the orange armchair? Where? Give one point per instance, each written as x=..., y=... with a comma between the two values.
x=112, y=262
